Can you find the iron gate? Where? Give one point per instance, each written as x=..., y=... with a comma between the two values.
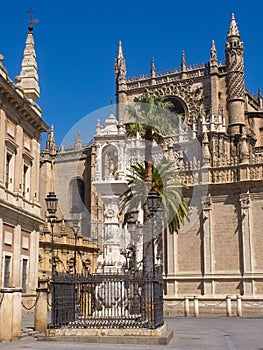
x=130, y=300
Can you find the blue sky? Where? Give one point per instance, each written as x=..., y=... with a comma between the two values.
x=76, y=44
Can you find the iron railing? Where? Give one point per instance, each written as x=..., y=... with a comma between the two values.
x=130, y=300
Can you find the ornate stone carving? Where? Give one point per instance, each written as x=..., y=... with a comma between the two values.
x=190, y=93
x=244, y=199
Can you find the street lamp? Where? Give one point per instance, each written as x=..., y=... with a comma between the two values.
x=132, y=222
x=52, y=204
x=154, y=203
x=75, y=219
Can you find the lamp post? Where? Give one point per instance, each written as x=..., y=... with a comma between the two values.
x=75, y=219
x=52, y=204
x=154, y=205
x=132, y=225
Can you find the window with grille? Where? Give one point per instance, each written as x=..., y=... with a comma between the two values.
x=7, y=271
x=24, y=275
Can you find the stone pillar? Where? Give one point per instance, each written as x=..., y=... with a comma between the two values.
x=207, y=245
x=41, y=313
x=10, y=314
x=33, y=260
x=16, y=282
x=247, y=258
x=17, y=314
x=172, y=258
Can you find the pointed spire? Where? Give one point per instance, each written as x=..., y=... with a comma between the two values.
x=120, y=52
x=78, y=141
x=120, y=64
x=28, y=78
x=153, y=69
x=233, y=30
x=50, y=143
x=183, y=62
x=111, y=106
x=206, y=151
x=213, y=54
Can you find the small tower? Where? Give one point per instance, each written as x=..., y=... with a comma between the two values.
x=234, y=51
x=183, y=64
x=214, y=79
x=51, y=148
x=110, y=183
x=78, y=141
x=47, y=159
x=153, y=69
x=120, y=73
x=28, y=78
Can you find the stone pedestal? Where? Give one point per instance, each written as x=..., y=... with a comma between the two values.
x=41, y=314
x=10, y=314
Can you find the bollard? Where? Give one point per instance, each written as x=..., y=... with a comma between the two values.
x=228, y=306
x=10, y=314
x=239, y=306
x=186, y=307
x=41, y=312
x=196, y=307
x=17, y=314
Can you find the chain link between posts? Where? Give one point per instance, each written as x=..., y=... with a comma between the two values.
x=253, y=304
x=211, y=305
x=30, y=308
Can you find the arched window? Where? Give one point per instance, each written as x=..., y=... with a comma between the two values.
x=77, y=193
x=178, y=107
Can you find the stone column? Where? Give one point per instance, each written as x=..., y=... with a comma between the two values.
x=16, y=257
x=41, y=314
x=207, y=244
x=247, y=259
x=33, y=260
x=10, y=314
x=17, y=314
x=172, y=254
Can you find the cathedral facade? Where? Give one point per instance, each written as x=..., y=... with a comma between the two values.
x=219, y=252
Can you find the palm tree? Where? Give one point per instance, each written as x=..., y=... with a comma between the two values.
x=167, y=183
x=152, y=120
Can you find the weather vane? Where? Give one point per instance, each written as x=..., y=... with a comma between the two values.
x=31, y=20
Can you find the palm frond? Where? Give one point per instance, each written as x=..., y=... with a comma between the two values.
x=167, y=183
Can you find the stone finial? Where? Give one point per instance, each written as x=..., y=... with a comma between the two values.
x=1, y=59
x=244, y=152
x=206, y=151
x=213, y=55
x=183, y=62
x=3, y=70
x=78, y=141
x=50, y=143
x=233, y=29
x=28, y=74
x=120, y=63
x=153, y=69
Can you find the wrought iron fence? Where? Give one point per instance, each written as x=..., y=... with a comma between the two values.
x=130, y=300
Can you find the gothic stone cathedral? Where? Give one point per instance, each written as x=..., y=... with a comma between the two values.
x=221, y=252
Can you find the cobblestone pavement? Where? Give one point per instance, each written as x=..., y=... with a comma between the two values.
x=204, y=333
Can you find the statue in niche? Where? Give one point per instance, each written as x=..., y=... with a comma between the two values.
x=111, y=165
